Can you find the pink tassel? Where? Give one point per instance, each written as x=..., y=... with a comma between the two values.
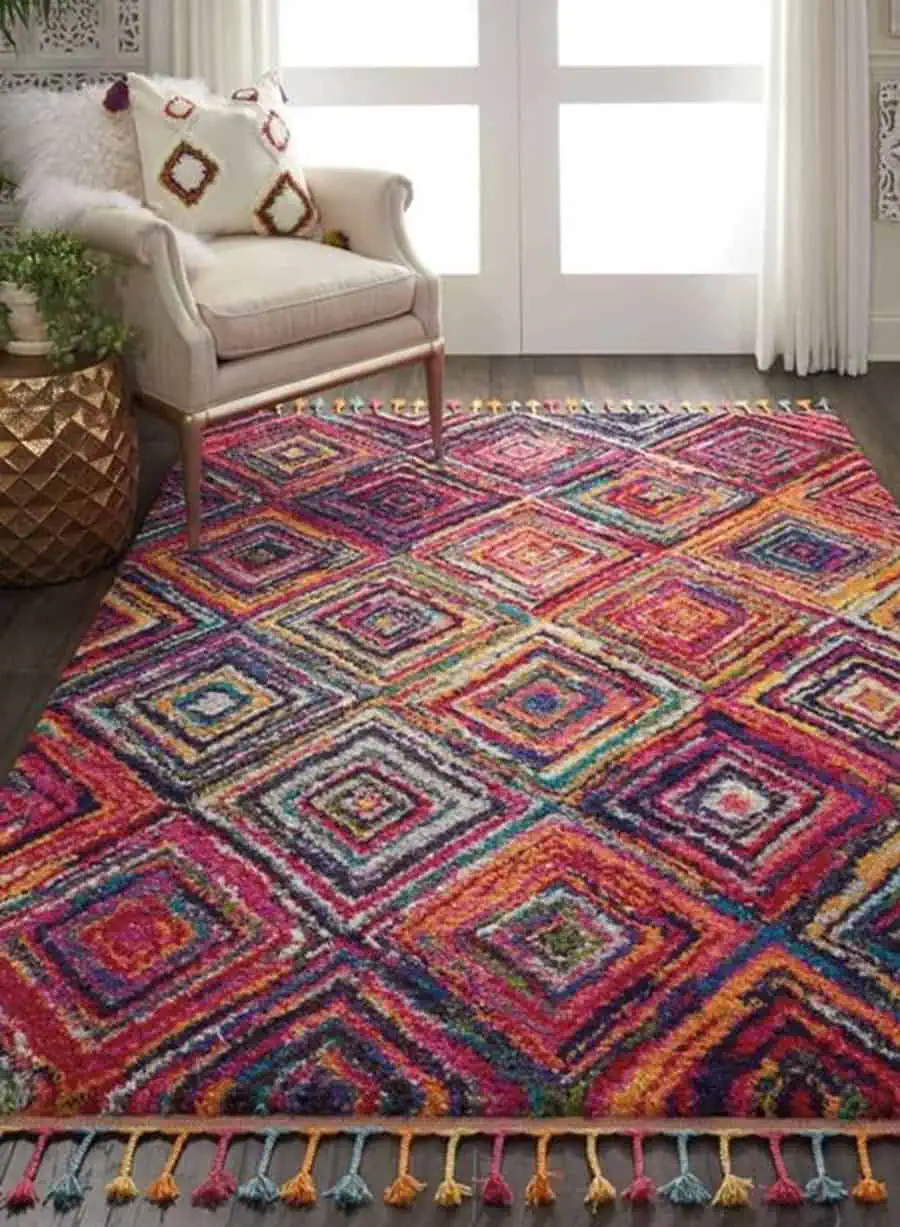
x=25, y=1194
x=496, y=1191
x=642, y=1190
x=220, y=1185
x=784, y=1192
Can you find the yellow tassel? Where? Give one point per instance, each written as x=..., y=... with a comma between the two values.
x=123, y=1189
x=406, y=1188
x=301, y=1190
x=601, y=1192
x=164, y=1191
x=539, y=1191
x=734, y=1190
x=868, y=1189
x=450, y=1192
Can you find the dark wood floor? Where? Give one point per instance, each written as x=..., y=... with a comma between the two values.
x=40, y=629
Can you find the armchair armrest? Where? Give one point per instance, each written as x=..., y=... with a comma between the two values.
x=175, y=353
x=369, y=206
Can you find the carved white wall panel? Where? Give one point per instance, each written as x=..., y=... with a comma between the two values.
x=75, y=31
x=889, y=151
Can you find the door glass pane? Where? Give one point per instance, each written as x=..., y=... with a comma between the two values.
x=663, y=32
x=662, y=188
x=437, y=147
x=378, y=33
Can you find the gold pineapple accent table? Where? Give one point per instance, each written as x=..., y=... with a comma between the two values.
x=68, y=470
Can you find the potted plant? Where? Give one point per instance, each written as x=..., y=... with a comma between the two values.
x=24, y=12
x=56, y=300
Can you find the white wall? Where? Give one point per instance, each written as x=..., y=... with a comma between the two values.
x=886, y=245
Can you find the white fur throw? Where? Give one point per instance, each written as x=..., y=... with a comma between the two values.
x=59, y=204
x=68, y=153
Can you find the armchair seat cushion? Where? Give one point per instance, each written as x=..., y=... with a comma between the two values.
x=264, y=294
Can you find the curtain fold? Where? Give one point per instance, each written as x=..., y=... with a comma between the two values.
x=815, y=280
x=228, y=43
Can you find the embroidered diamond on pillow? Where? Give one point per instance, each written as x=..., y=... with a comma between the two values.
x=276, y=132
x=188, y=173
x=179, y=107
x=285, y=209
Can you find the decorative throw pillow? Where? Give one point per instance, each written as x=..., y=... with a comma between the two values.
x=70, y=134
x=222, y=166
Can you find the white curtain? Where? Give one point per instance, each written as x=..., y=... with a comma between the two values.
x=227, y=43
x=815, y=283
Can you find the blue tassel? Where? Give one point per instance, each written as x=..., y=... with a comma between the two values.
x=260, y=1190
x=686, y=1189
x=823, y=1189
x=68, y=1193
x=351, y=1192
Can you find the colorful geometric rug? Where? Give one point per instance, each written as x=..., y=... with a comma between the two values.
x=560, y=783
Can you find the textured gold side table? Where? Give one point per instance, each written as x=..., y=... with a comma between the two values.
x=68, y=470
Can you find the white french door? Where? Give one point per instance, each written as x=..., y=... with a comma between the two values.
x=427, y=88
x=642, y=140
x=588, y=173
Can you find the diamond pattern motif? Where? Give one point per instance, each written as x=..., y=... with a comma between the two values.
x=558, y=779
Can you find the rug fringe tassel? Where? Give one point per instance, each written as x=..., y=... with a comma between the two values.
x=450, y=1192
x=539, y=1191
x=122, y=1190
x=572, y=406
x=823, y=1189
x=68, y=1192
x=260, y=1190
x=164, y=1191
x=405, y=1189
x=642, y=1190
x=734, y=1190
x=25, y=1194
x=867, y=1189
x=496, y=1190
x=301, y=1191
x=686, y=1189
x=600, y=1191
x=785, y=1191
x=220, y=1185
x=351, y=1192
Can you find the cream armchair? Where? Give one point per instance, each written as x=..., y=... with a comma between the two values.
x=273, y=319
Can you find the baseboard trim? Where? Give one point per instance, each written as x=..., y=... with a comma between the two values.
x=884, y=343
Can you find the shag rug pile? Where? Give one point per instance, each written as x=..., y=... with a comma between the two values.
x=561, y=781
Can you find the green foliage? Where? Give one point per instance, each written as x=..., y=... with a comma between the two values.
x=24, y=12
x=73, y=286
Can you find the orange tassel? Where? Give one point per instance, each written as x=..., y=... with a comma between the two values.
x=406, y=1188
x=164, y=1191
x=301, y=1191
x=868, y=1189
x=539, y=1191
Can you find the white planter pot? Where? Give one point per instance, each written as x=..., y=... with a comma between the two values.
x=26, y=324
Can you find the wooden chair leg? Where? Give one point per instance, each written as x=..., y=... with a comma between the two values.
x=434, y=377
x=191, y=437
